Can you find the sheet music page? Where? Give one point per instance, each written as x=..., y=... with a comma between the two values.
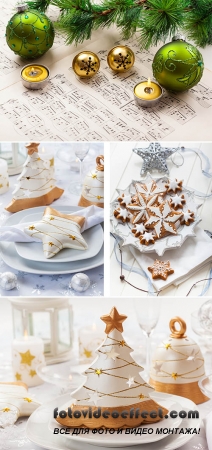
x=101, y=108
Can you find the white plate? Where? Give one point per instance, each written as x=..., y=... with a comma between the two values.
x=115, y=440
x=12, y=259
x=34, y=251
x=37, y=429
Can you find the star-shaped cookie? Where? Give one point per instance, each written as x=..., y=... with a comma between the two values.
x=58, y=231
x=160, y=269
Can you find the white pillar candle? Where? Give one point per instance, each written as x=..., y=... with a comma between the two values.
x=4, y=178
x=47, y=155
x=90, y=338
x=27, y=353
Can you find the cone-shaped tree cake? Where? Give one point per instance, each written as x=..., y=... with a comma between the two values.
x=114, y=395
x=36, y=184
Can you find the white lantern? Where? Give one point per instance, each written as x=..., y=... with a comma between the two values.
x=15, y=156
x=50, y=320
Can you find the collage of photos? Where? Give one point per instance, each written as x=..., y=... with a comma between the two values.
x=106, y=225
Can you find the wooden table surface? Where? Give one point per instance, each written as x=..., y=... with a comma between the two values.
x=125, y=166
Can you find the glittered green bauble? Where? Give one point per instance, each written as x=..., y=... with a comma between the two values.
x=29, y=34
x=178, y=66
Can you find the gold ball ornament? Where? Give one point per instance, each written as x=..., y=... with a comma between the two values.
x=121, y=58
x=86, y=64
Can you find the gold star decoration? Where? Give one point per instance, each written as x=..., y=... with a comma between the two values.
x=99, y=197
x=141, y=396
x=167, y=346
x=6, y=410
x=18, y=376
x=32, y=373
x=31, y=227
x=32, y=148
x=113, y=321
x=27, y=399
x=174, y=375
x=122, y=343
x=26, y=358
x=57, y=231
x=98, y=372
x=51, y=162
x=1, y=185
x=94, y=175
x=87, y=353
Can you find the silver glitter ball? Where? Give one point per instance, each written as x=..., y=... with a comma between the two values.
x=205, y=315
x=80, y=282
x=8, y=281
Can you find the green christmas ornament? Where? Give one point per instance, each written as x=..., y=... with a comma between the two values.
x=29, y=33
x=178, y=66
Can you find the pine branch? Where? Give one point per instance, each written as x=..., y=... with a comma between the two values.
x=155, y=20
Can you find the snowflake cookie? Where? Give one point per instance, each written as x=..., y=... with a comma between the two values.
x=160, y=269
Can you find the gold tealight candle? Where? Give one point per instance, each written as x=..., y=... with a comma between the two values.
x=147, y=93
x=35, y=76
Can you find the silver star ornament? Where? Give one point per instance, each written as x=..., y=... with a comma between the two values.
x=154, y=157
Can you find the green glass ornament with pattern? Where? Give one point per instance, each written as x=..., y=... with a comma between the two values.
x=29, y=34
x=178, y=65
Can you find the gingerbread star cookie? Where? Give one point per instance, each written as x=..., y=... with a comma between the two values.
x=125, y=199
x=177, y=201
x=138, y=229
x=187, y=217
x=58, y=231
x=174, y=185
x=163, y=219
x=122, y=214
x=147, y=238
x=160, y=269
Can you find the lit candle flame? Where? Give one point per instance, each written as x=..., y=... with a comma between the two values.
x=149, y=82
x=25, y=334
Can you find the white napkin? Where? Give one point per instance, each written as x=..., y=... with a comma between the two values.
x=186, y=260
x=208, y=429
x=15, y=233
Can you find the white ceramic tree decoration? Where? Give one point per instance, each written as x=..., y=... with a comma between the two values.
x=36, y=184
x=113, y=384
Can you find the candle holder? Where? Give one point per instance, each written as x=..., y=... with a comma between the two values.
x=53, y=324
x=35, y=76
x=148, y=93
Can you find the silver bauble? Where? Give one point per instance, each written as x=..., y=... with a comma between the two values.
x=8, y=281
x=80, y=282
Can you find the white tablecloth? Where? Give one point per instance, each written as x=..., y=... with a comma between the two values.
x=49, y=285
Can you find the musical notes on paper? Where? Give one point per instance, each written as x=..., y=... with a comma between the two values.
x=100, y=108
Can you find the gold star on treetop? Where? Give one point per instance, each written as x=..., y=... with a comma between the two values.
x=27, y=399
x=113, y=321
x=174, y=375
x=98, y=372
x=18, y=376
x=32, y=373
x=6, y=409
x=87, y=353
x=167, y=346
x=33, y=148
x=26, y=358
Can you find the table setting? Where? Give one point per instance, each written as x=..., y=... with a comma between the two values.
x=48, y=232
x=64, y=384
